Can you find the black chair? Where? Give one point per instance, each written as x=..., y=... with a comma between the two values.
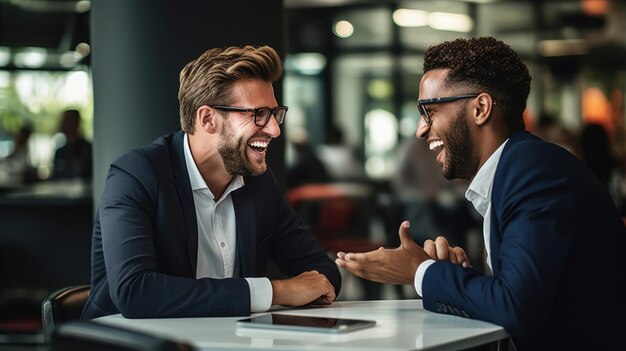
x=62, y=306
x=93, y=336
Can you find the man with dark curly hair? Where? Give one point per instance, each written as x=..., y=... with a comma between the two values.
x=547, y=219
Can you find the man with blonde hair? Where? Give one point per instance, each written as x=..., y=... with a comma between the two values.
x=187, y=224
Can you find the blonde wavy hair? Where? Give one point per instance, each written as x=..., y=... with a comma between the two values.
x=208, y=80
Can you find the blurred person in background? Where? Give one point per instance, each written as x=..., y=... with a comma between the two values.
x=16, y=167
x=597, y=153
x=307, y=168
x=73, y=159
x=339, y=159
x=550, y=129
x=426, y=199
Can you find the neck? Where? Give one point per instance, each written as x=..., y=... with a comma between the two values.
x=491, y=141
x=210, y=165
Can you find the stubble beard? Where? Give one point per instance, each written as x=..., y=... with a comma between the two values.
x=232, y=150
x=461, y=159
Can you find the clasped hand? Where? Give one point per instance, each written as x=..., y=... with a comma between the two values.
x=308, y=287
x=398, y=266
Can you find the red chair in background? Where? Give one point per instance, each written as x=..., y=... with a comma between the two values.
x=338, y=214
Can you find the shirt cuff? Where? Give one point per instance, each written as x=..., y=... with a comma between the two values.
x=260, y=294
x=419, y=275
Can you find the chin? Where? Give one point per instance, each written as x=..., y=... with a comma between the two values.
x=258, y=169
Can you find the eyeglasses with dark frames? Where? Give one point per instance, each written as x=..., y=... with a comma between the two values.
x=421, y=104
x=261, y=115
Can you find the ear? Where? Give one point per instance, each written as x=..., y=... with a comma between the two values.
x=483, y=108
x=208, y=119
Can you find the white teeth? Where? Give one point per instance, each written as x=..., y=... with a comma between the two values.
x=435, y=144
x=259, y=143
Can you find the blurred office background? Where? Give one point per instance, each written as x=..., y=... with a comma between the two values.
x=347, y=158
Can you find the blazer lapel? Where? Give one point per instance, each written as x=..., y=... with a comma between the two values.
x=185, y=196
x=245, y=217
x=495, y=237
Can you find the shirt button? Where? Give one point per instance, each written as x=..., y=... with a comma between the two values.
x=222, y=244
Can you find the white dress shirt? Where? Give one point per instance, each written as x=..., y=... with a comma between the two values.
x=479, y=194
x=217, y=234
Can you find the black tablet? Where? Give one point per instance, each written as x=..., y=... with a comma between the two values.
x=278, y=321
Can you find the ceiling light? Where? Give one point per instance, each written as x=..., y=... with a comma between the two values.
x=343, y=29
x=308, y=63
x=565, y=47
x=30, y=58
x=5, y=56
x=450, y=21
x=82, y=6
x=410, y=18
x=83, y=49
x=69, y=59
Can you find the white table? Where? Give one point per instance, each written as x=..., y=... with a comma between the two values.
x=401, y=325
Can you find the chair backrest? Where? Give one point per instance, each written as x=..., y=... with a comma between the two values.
x=63, y=305
x=93, y=336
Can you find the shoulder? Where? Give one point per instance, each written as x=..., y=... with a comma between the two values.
x=147, y=156
x=524, y=150
x=531, y=165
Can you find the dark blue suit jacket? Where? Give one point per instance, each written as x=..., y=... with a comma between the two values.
x=145, y=240
x=557, y=243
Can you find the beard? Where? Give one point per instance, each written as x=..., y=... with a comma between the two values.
x=232, y=150
x=462, y=161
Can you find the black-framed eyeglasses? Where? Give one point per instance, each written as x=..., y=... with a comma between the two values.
x=261, y=115
x=421, y=104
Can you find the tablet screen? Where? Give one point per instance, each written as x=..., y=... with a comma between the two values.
x=305, y=323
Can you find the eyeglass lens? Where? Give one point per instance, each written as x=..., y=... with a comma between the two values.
x=263, y=115
x=424, y=113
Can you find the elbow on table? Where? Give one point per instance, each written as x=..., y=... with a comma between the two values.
x=133, y=304
x=134, y=309
x=131, y=312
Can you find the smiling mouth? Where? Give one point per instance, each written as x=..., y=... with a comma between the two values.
x=434, y=145
x=259, y=146
x=437, y=145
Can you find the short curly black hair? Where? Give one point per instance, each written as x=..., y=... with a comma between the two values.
x=487, y=64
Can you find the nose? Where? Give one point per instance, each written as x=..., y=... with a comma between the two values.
x=272, y=128
x=422, y=129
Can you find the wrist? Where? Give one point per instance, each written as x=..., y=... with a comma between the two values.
x=277, y=295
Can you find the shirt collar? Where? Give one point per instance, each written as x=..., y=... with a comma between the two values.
x=479, y=190
x=196, y=180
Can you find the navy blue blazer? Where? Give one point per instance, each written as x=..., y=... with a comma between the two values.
x=556, y=251
x=145, y=240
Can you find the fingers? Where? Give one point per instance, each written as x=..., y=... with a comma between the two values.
x=353, y=267
x=403, y=232
x=350, y=256
x=330, y=294
x=362, y=257
x=440, y=250
x=431, y=250
x=452, y=256
x=461, y=257
x=443, y=248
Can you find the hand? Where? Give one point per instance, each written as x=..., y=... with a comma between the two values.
x=395, y=266
x=440, y=250
x=308, y=287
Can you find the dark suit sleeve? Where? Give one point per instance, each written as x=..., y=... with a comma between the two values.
x=535, y=205
x=136, y=285
x=295, y=249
